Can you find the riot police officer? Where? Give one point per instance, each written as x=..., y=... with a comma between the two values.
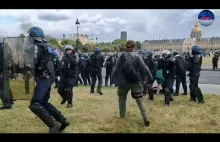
x=82, y=67
x=169, y=73
x=44, y=78
x=7, y=72
x=151, y=64
x=194, y=68
x=215, y=61
x=68, y=78
x=56, y=68
x=97, y=61
x=109, y=64
x=181, y=69
x=87, y=70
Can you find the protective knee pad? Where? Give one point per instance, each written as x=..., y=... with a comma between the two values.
x=42, y=113
x=136, y=95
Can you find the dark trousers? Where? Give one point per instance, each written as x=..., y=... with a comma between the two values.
x=80, y=80
x=65, y=88
x=180, y=79
x=87, y=77
x=6, y=93
x=96, y=73
x=82, y=74
x=56, y=81
x=108, y=76
x=40, y=104
x=27, y=78
x=168, y=88
x=195, y=91
x=215, y=65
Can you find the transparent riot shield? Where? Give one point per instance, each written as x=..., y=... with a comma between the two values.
x=18, y=68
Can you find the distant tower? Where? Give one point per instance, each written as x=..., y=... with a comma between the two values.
x=123, y=35
x=64, y=36
x=196, y=32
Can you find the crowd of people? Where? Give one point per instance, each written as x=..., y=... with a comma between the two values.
x=132, y=70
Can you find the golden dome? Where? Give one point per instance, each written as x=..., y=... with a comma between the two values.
x=197, y=28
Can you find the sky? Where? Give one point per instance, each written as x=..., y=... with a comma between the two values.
x=106, y=25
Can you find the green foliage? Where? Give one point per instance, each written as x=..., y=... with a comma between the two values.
x=138, y=45
x=54, y=42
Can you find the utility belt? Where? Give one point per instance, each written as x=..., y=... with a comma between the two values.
x=46, y=74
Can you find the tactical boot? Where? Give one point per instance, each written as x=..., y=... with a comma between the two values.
x=55, y=128
x=70, y=99
x=201, y=102
x=92, y=90
x=65, y=123
x=6, y=107
x=99, y=90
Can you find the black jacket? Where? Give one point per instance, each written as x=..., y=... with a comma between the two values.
x=181, y=66
x=168, y=67
x=97, y=60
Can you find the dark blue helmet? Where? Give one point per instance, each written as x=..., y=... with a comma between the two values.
x=148, y=54
x=196, y=49
x=86, y=55
x=36, y=32
x=97, y=49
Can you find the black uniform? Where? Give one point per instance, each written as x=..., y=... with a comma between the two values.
x=7, y=72
x=194, y=68
x=109, y=68
x=69, y=71
x=82, y=68
x=44, y=78
x=181, y=69
x=169, y=72
x=215, y=61
x=87, y=71
x=57, y=64
x=97, y=61
x=152, y=65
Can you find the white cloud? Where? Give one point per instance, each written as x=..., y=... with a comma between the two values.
x=107, y=24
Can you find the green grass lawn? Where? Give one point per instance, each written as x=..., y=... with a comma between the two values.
x=99, y=114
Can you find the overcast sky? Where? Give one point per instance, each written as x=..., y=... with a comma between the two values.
x=107, y=24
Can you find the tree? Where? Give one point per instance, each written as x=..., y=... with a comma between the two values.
x=48, y=37
x=54, y=42
x=22, y=35
x=138, y=45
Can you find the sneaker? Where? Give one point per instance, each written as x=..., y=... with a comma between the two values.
x=64, y=125
x=55, y=128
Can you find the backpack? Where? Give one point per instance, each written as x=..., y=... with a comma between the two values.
x=181, y=64
x=128, y=69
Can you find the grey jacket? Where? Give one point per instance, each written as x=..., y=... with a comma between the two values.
x=117, y=75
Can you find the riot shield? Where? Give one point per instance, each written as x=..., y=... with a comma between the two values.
x=18, y=68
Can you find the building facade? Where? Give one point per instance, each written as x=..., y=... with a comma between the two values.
x=195, y=38
x=84, y=39
x=123, y=35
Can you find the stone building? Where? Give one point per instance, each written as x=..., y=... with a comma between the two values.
x=84, y=39
x=211, y=43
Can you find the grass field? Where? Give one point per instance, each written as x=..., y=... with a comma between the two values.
x=99, y=114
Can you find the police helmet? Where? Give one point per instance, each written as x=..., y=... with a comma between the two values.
x=36, y=32
x=166, y=54
x=97, y=49
x=68, y=47
x=196, y=49
x=86, y=55
x=175, y=53
x=149, y=54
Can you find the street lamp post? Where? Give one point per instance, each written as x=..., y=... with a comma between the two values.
x=77, y=28
x=96, y=39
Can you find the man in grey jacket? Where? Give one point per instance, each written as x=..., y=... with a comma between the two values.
x=123, y=83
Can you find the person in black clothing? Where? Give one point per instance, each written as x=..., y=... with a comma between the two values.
x=181, y=69
x=109, y=64
x=7, y=72
x=87, y=70
x=151, y=64
x=194, y=68
x=68, y=74
x=215, y=61
x=82, y=68
x=169, y=73
x=97, y=61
